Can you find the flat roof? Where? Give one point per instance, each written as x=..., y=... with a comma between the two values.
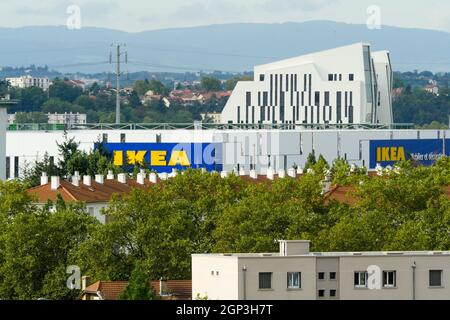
x=330, y=254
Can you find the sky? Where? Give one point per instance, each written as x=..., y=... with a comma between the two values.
x=140, y=15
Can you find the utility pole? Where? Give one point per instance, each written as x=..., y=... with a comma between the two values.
x=119, y=73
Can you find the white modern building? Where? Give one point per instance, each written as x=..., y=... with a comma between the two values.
x=3, y=123
x=240, y=149
x=295, y=273
x=67, y=118
x=347, y=85
x=29, y=81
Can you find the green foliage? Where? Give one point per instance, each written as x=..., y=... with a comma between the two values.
x=138, y=287
x=36, y=245
x=64, y=91
x=31, y=117
x=231, y=84
x=210, y=84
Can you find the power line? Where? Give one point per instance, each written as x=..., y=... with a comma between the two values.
x=183, y=68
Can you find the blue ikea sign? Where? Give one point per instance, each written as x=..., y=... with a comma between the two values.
x=423, y=151
x=163, y=157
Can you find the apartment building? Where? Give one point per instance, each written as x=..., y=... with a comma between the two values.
x=347, y=85
x=295, y=273
x=67, y=118
x=29, y=81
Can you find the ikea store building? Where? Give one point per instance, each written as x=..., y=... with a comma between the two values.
x=291, y=108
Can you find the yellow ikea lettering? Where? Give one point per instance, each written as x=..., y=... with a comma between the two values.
x=390, y=154
x=385, y=154
x=393, y=154
x=136, y=157
x=158, y=158
x=118, y=158
x=179, y=157
x=401, y=154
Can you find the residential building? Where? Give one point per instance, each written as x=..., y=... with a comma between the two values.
x=29, y=81
x=212, y=117
x=432, y=87
x=347, y=85
x=111, y=290
x=77, y=83
x=295, y=273
x=95, y=193
x=67, y=118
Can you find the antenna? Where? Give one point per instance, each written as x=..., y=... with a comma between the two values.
x=119, y=73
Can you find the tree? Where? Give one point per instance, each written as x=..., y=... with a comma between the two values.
x=210, y=84
x=64, y=91
x=56, y=105
x=310, y=161
x=231, y=83
x=31, y=117
x=31, y=99
x=138, y=287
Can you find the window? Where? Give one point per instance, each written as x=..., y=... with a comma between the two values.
x=321, y=293
x=361, y=279
x=105, y=138
x=351, y=77
x=293, y=279
x=16, y=167
x=265, y=280
x=435, y=278
x=340, y=77
x=158, y=138
x=332, y=275
x=330, y=77
x=248, y=99
x=261, y=77
x=8, y=168
x=389, y=279
x=332, y=293
x=122, y=137
x=321, y=275
x=327, y=98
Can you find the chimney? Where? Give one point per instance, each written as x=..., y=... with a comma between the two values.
x=174, y=173
x=293, y=248
x=253, y=174
x=270, y=173
x=77, y=174
x=140, y=178
x=300, y=170
x=122, y=178
x=163, y=176
x=55, y=182
x=162, y=287
x=153, y=177
x=292, y=173
x=110, y=175
x=44, y=179
x=87, y=180
x=76, y=181
x=224, y=174
x=85, y=282
x=99, y=178
x=242, y=172
x=281, y=174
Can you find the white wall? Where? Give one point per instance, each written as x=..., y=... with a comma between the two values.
x=3, y=122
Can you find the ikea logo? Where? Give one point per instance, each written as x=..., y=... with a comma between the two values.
x=164, y=157
x=158, y=158
x=390, y=154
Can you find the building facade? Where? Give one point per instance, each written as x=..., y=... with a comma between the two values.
x=67, y=118
x=340, y=86
x=297, y=274
x=29, y=81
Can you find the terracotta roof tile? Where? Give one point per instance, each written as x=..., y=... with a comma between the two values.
x=110, y=290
